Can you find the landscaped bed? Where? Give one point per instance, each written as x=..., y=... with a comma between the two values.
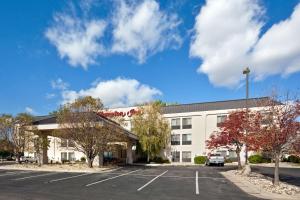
x=71, y=167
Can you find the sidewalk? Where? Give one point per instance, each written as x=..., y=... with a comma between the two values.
x=256, y=190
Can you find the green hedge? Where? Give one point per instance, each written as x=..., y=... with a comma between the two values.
x=293, y=159
x=159, y=160
x=199, y=159
x=83, y=159
x=258, y=159
x=255, y=159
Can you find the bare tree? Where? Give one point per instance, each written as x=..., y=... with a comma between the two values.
x=91, y=133
x=21, y=135
x=6, y=125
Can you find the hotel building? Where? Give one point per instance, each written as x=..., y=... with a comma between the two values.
x=191, y=125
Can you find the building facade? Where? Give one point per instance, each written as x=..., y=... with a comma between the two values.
x=191, y=125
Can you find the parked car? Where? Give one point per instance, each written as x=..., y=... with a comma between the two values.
x=28, y=159
x=215, y=159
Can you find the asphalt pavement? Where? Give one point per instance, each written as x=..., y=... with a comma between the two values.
x=134, y=183
x=288, y=175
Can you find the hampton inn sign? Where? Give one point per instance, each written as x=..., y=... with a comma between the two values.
x=116, y=113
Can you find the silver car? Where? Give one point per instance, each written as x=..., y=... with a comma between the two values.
x=28, y=159
x=215, y=159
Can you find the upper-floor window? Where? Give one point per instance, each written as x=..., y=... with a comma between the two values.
x=186, y=123
x=186, y=139
x=63, y=142
x=175, y=139
x=66, y=143
x=220, y=119
x=266, y=118
x=175, y=123
x=71, y=143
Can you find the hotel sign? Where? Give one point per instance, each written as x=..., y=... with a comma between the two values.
x=111, y=114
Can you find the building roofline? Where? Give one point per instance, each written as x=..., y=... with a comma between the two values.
x=219, y=101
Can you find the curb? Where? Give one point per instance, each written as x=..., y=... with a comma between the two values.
x=255, y=190
x=58, y=170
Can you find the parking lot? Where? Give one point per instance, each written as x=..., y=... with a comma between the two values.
x=121, y=183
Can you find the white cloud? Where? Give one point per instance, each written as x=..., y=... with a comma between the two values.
x=118, y=92
x=142, y=30
x=278, y=50
x=227, y=40
x=59, y=84
x=76, y=39
x=50, y=95
x=224, y=32
x=30, y=110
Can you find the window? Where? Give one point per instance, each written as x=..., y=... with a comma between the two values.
x=72, y=156
x=63, y=142
x=64, y=156
x=266, y=118
x=67, y=143
x=175, y=139
x=108, y=154
x=71, y=143
x=175, y=156
x=175, y=123
x=186, y=156
x=221, y=119
x=186, y=123
x=186, y=139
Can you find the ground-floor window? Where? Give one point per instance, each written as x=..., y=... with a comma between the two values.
x=64, y=156
x=175, y=156
x=186, y=156
x=108, y=154
x=72, y=156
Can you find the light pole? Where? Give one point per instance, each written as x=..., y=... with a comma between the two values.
x=246, y=72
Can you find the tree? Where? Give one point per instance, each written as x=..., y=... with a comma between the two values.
x=276, y=130
x=21, y=135
x=152, y=129
x=80, y=123
x=6, y=125
x=39, y=142
x=232, y=133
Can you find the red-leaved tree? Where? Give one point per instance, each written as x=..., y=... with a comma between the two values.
x=276, y=130
x=232, y=133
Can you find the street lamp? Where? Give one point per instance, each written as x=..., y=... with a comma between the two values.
x=246, y=72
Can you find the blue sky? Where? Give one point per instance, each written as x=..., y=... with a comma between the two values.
x=129, y=52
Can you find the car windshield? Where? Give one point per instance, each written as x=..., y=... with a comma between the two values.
x=215, y=155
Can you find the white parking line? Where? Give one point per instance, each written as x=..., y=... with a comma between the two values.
x=27, y=177
x=197, y=184
x=151, y=181
x=69, y=177
x=111, y=178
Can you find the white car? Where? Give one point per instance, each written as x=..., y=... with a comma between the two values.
x=215, y=159
x=28, y=159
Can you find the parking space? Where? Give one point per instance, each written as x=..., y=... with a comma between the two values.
x=123, y=183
